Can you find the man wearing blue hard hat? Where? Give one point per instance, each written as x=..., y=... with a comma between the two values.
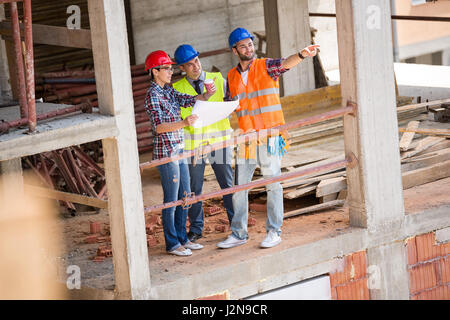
x=194, y=83
x=255, y=83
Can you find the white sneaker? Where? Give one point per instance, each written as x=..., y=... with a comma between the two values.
x=181, y=251
x=231, y=242
x=272, y=239
x=193, y=246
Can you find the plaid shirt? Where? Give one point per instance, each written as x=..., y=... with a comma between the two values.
x=274, y=70
x=163, y=106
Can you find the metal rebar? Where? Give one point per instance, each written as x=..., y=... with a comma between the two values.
x=252, y=136
x=189, y=200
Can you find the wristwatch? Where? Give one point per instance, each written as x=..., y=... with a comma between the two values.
x=301, y=56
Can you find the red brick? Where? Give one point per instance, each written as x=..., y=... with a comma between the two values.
x=354, y=290
x=155, y=219
x=438, y=293
x=444, y=268
x=150, y=228
x=218, y=296
x=213, y=210
x=422, y=277
x=412, y=251
x=94, y=227
x=223, y=221
x=104, y=251
x=258, y=207
x=98, y=259
x=341, y=277
x=251, y=222
x=426, y=250
x=222, y=228
x=333, y=293
x=151, y=241
x=359, y=264
x=91, y=239
x=445, y=249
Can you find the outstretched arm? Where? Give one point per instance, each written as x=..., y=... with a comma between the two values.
x=293, y=60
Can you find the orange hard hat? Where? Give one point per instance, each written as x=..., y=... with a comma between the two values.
x=157, y=58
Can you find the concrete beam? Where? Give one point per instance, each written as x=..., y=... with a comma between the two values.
x=56, y=134
x=126, y=208
x=287, y=32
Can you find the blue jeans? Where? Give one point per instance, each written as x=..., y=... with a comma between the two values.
x=175, y=182
x=270, y=167
x=220, y=161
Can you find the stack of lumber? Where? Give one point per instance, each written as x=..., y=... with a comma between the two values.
x=424, y=149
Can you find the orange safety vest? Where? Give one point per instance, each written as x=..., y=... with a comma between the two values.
x=259, y=100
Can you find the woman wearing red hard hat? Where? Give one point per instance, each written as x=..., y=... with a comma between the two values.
x=163, y=104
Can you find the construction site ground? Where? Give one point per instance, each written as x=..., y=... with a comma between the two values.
x=165, y=268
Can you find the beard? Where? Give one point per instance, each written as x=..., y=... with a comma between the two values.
x=245, y=58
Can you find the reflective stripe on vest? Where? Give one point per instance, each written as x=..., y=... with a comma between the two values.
x=276, y=107
x=259, y=99
x=206, y=135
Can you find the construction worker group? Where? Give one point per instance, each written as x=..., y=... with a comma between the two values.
x=255, y=83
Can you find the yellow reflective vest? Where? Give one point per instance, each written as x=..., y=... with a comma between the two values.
x=216, y=132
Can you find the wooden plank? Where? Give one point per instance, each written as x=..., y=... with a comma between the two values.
x=51, y=35
x=314, y=208
x=426, y=160
x=425, y=175
x=422, y=145
x=65, y=196
x=407, y=137
x=314, y=179
x=330, y=186
x=430, y=132
x=300, y=192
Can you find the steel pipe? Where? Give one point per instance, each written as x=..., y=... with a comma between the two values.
x=252, y=136
x=29, y=58
x=189, y=200
x=20, y=70
x=394, y=17
x=85, y=107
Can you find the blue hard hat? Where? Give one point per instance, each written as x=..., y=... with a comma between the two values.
x=185, y=53
x=237, y=35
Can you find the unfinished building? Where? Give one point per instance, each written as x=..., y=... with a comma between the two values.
x=377, y=166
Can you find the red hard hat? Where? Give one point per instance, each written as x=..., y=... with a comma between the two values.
x=157, y=58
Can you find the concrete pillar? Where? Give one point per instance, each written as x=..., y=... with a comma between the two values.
x=375, y=193
x=287, y=32
x=125, y=205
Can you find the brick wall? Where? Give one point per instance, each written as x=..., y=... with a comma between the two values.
x=429, y=268
x=350, y=282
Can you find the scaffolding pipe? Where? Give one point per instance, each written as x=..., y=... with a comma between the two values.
x=20, y=70
x=252, y=136
x=85, y=107
x=191, y=199
x=29, y=59
x=394, y=17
